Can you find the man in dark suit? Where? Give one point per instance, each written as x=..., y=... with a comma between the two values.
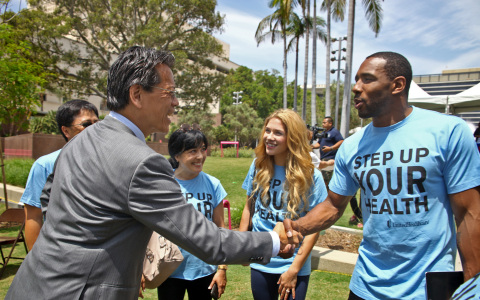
x=110, y=190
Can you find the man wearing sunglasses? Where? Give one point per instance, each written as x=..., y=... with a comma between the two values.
x=72, y=117
x=109, y=190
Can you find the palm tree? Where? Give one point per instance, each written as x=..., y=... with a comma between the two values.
x=275, y=26
x=318, y=33
x=297, y=29
x=335, y=9
x=313, y=102
x=373, y=13
x=306, y=15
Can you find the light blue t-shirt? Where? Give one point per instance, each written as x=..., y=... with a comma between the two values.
x=405, y=173
x=205, y=193
x=265, y=218
x=37, y=178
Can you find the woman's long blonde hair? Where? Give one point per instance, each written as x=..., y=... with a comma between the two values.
x=298, y=168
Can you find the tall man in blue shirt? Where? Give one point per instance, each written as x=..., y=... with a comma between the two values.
x=419, y=175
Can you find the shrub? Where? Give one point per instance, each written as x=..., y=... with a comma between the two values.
x=232, y=152
x=46, y=124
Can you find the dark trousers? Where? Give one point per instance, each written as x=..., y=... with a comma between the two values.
x=352, y=296
x=265, y=287
x=174, y=289
x=327, y=175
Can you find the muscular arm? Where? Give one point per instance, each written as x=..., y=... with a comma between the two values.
x=321, y=216
x=33, y=224
x=466, y=208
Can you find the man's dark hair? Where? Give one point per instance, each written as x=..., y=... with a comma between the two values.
x=330, y=120
x=184, y=140
x=134, y=66
x=69, y=110
x=396, y=65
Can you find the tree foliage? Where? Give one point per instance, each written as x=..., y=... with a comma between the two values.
x=46, y=124
x=262, y=90
x=198, y=116
x=80, y=39
x=243, y=121
x=21, y=80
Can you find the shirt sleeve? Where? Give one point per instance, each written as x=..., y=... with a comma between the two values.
x=462, y=162
x=220, y=194
x=320, y=190
x=247, y=183
x=35, y=183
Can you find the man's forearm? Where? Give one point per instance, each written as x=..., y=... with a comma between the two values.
x=319, y=218
x=466, y=208
x=468, y=242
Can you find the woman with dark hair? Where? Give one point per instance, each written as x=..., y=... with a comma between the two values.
x=282, y=183
x=188, y=151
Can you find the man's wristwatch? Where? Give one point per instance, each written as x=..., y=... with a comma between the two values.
x=222, y=268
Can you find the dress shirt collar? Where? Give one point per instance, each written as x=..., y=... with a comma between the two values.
x=138, y=133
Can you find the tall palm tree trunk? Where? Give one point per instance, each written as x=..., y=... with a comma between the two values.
x=314, y=66
x=328, y=111
x=295, y=88
x=345, y=124
x=305, y=73
x=284, y=71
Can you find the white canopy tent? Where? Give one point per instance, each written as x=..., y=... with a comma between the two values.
x=468, y=100
x=420, y=98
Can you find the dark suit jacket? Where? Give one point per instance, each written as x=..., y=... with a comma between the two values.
x=110, y=190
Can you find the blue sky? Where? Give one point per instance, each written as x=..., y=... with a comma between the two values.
x=434, y=35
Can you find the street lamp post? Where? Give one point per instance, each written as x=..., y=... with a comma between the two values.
x=237, y=96
x=339, y=53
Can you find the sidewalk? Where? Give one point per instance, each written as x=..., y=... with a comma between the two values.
x=322, y=258
x=14, y=194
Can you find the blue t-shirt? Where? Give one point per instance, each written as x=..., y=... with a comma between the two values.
x=205, y=193
x=37, y=178
x=265, y=218
x=405, y=173
x=329, y=139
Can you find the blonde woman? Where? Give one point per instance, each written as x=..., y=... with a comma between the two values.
x=282, y=183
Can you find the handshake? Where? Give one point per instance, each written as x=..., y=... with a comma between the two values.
x=290, y=238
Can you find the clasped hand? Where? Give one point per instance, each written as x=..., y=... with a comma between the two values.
x=287, y=244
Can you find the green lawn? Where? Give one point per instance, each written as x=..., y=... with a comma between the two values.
x=322, y=285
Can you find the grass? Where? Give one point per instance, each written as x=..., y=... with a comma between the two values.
x=322, y=285
x=16, y=171
x=230, y=171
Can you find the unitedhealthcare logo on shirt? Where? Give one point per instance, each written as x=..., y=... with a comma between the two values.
x=391, y=224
